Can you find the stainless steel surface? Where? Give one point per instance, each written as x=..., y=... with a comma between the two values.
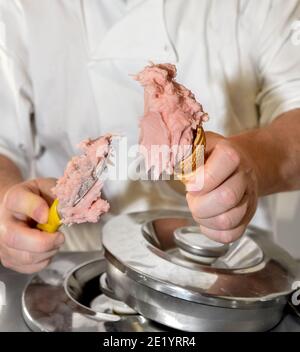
x=249, y=285
x=73, y=301
x=296, y=309
x=104, y=288
x=75, y=285
x=100, y=306
x=253, y=272
x=108, y=292
x=11, y=318
x=190, y=316
x=191, y=240
x=83, y=286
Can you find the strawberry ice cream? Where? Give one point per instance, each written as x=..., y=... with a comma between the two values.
x=171, y=118
x=79, y=171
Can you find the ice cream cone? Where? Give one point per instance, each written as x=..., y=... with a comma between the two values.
x=186, y=168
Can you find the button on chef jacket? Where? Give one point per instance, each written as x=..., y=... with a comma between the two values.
x=66, y=65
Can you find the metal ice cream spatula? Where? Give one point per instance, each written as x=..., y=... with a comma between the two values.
x=54, y=218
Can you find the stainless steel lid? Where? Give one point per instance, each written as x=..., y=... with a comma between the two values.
x=252, y=272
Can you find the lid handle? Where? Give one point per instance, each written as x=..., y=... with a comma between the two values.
x=196, y=246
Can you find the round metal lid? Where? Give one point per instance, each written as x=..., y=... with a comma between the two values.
x=254, y=271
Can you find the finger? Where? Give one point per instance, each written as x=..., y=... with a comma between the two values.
x=26, y=269
x=20, y=199
x=21, y=237
x=25, y=258
x=221, y=164
x=220, y=200
x=223, y=236
x=228, y=220
x=45, y=186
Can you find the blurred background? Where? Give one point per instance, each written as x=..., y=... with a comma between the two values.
x=288, y=222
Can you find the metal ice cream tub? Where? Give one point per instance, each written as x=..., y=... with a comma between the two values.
x=173, y=275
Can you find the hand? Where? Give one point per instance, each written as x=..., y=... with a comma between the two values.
x=24, y=248
x=226, y=203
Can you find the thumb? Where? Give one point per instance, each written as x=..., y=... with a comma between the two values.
x=31, y=199
x=195, y=182
x=44, y=186
x=211, y=140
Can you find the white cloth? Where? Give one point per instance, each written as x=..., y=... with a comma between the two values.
x=68, y=63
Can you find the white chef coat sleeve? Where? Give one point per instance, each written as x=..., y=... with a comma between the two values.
x=15, y=88
x=277, y=54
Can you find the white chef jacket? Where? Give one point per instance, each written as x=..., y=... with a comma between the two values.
x=65, y=70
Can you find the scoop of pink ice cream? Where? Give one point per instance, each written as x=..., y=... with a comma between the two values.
x=171, y=117
x=79, y=170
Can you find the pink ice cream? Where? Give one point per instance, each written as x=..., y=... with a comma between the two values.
x=171, y=117
x=79, y=170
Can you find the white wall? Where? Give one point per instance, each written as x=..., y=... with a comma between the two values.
x=288, y=223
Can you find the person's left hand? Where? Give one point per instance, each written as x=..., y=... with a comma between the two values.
x=226, y=203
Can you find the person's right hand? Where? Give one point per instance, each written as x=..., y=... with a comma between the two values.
x=24, y=248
